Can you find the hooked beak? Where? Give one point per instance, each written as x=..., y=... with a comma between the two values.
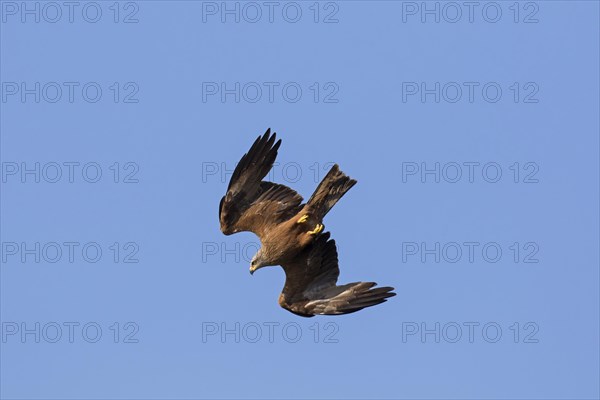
x=252, y=269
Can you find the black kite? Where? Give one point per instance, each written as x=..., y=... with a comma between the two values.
x=291, y=234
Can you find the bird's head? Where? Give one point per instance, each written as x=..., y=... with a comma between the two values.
x=257, y=262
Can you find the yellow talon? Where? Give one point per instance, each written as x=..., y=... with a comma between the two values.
x=302, y=219
x=317, y=229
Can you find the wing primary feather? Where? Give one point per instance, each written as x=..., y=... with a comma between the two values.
x=257, y=162
x=250, y=203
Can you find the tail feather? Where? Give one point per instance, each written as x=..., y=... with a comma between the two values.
x=366, y=297
x=350, y=298
x=333, y=186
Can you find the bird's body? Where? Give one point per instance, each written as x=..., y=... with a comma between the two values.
x=278, y=252
x=292, y=236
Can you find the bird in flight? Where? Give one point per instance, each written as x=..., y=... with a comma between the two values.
x=291, y=234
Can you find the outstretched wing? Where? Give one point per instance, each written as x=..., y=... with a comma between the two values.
x=251, y=204
x=310, y=286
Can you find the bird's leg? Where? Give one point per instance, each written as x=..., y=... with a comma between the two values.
x=318, y=229
x=302, y=219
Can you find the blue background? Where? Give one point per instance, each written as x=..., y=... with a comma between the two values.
x=173, y=136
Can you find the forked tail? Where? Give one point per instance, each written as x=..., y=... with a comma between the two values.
x=349, y=298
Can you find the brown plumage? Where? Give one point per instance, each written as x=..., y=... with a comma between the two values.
x=291, y=234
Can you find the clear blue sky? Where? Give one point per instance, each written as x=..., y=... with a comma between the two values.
x=476, y=316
